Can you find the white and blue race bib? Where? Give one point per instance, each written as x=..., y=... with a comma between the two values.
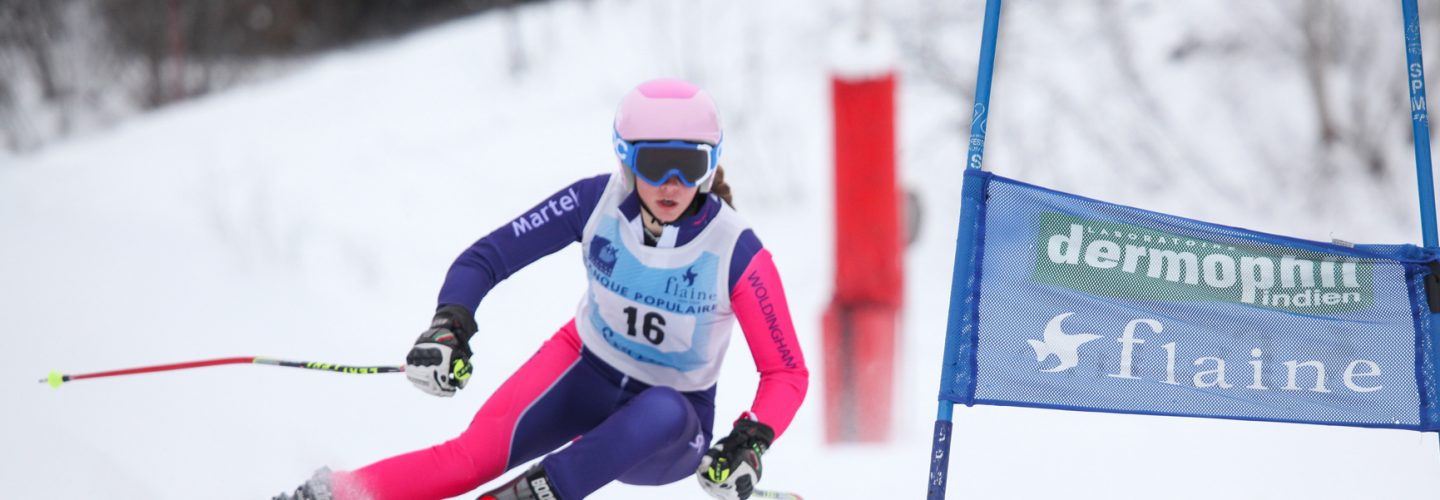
x=661, y=315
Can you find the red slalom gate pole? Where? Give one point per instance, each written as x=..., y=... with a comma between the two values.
x=56, y=378
x=861, y=324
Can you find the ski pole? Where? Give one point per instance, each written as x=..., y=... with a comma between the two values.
x=56, y=378
x=775, y=495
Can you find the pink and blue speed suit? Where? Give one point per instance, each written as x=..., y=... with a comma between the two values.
x=632, y=379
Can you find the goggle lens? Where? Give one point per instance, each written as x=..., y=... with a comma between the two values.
x=656, y=163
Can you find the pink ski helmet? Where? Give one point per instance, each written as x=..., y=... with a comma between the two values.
x=668, y=113
x=668, y=110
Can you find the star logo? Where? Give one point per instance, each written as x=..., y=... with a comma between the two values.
x=1059, y=344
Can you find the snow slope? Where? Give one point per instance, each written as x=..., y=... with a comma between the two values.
x=313, y=217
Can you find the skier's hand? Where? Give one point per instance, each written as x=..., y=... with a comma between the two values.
x=439, y=363
x=731, y=468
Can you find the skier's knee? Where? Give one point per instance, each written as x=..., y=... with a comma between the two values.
x=667, y=411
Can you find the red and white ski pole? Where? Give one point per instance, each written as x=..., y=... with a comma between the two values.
x=56, y=378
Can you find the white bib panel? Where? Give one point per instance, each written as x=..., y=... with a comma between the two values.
x=660, y=315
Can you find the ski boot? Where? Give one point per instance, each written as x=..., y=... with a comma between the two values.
x=534, y=484
x=316, y=488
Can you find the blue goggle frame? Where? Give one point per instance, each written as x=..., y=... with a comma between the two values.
x=630, y=151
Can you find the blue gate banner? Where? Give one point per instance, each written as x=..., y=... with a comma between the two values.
x=1070, y=303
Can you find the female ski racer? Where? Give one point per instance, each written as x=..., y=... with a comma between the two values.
x=630, y=382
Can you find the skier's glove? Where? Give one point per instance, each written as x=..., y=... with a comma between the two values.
x=440, y=361
x=731, y=468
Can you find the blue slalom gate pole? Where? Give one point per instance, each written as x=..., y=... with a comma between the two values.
x=964, y=245
x=1420, y=123
x=982, y=84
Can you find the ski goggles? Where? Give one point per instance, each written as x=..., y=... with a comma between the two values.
x=657, y=161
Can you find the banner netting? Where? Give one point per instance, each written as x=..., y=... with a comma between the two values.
x=1079, y=304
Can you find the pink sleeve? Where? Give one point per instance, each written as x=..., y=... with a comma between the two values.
x=759, y=303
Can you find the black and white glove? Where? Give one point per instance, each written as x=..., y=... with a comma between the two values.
x=439, y=363
x=731, y=468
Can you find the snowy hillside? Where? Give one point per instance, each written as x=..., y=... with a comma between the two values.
x=313, y=217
